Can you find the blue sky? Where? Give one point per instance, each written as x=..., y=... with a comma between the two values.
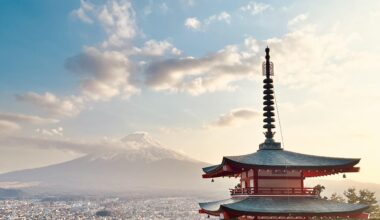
x=184, y=71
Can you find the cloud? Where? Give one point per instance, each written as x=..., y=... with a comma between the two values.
x=235, y=117
x=117, y=18
x=254, y=8
x=52, y=143
x=21, y=118
x=223, y=16
x=309, y=58
x=211, y=73
x=106, y=70
x=306, y=57
x=193, y=23
x=81, y=12
x=105, y=74
x=11, y=122
x=55, y=106
x=7, y=127
x=298, y=19
x=156, y=48
x=50, y=132
x=50, y=140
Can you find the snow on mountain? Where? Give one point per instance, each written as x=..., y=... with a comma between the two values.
x=136, y=162
x=138, y=146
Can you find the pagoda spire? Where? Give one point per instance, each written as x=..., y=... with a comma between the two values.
x=268, y=97
x=268, y=104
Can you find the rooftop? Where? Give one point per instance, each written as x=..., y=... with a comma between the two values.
x=281, y=205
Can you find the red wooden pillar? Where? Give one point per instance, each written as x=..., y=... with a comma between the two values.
x=302, y=178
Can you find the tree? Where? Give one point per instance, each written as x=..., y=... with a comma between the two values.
x=337, y=198
x=365, y=197
x=351, y=196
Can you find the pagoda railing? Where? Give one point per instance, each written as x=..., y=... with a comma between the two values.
x=275, y=191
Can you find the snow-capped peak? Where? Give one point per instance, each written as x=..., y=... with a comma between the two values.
x=141, y=140
x=138, y=146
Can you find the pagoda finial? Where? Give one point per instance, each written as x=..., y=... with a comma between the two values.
x=268, y=104
x=268, y=96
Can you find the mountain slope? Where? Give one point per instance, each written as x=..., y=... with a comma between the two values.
x=138, y=163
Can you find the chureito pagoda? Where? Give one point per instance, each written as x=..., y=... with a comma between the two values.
x=272, y=179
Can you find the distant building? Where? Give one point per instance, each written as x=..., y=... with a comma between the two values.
x=272, y=179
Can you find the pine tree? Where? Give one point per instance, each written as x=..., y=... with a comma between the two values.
x=337, y=198
x=351, y=196
x=364, y=197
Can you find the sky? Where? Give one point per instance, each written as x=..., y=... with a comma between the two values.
x=77, y=73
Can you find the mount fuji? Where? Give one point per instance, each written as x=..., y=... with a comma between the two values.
x=139, y=163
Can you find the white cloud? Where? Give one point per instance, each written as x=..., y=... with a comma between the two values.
x=106, y=70
x=193, y=23
x=11, y=122
x=7, y=127
x=22, y=118
x=214, y=72
x=117, y=18
x=81, y=12
x=255, y=8
x=157, y=48
x=306, y=57
x=298, y=19
x=54, y=140
x=235, y=117
x=223, y=16
x=54, y=105
x=105, y=73
x=50, y=132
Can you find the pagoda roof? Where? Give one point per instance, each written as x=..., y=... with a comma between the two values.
x=280, y=205
x=280, y=159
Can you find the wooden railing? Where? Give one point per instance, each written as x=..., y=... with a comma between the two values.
x=275, y=191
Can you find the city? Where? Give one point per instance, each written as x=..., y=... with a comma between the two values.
x=136, y=208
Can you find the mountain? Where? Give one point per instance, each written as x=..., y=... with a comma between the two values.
x=138, y=163
x=11, y=193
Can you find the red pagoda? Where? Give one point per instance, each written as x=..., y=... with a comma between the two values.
x=272, y=179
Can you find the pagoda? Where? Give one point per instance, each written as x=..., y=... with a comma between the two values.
x=272, y=179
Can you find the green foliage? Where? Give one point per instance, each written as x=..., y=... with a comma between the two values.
x=337, y=198
x=351, y=196
x=364, y=197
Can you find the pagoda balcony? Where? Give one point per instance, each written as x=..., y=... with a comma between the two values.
x=306, y=191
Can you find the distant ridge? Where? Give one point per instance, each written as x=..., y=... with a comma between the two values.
x=140, y=163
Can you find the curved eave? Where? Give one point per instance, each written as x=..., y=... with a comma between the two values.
x=272, y=206
x=235, y=164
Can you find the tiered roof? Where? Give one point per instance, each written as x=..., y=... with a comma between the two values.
x=282, y=159
x=282, y=206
